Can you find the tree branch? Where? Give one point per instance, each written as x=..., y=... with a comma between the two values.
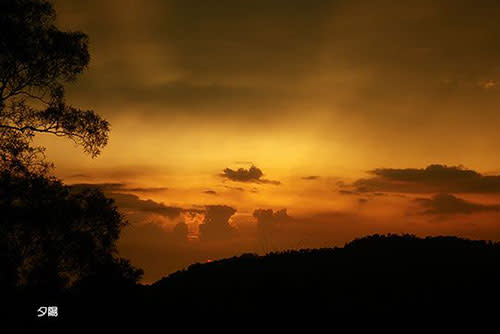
x=44, y=130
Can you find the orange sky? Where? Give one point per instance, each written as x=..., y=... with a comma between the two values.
x=331, y=89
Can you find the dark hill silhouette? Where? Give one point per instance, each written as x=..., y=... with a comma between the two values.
x=385, y=278
x=392, y=275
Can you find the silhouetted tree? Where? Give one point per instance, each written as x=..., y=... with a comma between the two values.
x=53, y=238
x=36, y=60
x=50, y=237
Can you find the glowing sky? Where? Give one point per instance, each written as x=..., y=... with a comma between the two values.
x=330, y=89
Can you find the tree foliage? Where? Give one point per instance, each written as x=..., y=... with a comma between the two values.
x=51, y=237
x=36, y=60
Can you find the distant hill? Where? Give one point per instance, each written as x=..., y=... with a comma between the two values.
x=379, y=275
x=374, y=280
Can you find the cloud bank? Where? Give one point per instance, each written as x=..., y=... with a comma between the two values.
x=450, y=204
x=433, y=178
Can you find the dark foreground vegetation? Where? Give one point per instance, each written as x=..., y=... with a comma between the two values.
x=377, y=277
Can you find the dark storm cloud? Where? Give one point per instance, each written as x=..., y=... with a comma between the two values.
x=450, y=204
x=250, y=175
x=433, y=178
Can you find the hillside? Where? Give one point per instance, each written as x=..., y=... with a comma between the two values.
x=382, y=278
x=376, y=275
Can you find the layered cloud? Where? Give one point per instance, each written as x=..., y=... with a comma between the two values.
x=250, y=175
x=131, y=203
x=146, y=189
x=433, y=178
x=450, y=204
x=251, y=55
x=118, y=187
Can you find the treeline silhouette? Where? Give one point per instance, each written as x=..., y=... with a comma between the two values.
x=386, y=275
x=375, y=277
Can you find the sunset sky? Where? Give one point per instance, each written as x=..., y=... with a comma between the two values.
x=339, y=106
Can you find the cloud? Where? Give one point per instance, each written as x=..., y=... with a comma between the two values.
x=180, y=231
x=210, y=192
x=251, y=175
x=341, y=184
x=449, y=204
x=488, y=84
x=156, y=249
x=433, y=178
x=235, y=188
x=216, y=225
x=221, y=61
x=360, y=193
x=226, y=37
x=105, y=187
x=117, y=187
x=348, y=192
x=310, y=178
x=147, y=189
x=130, y=203
x=79, y=176
x=267, y=220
